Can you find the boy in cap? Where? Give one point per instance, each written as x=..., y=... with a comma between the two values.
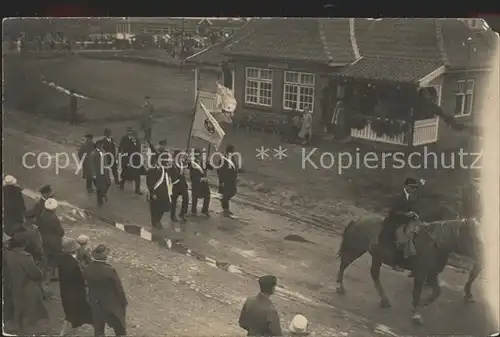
x=403, y=210
x=258, y=316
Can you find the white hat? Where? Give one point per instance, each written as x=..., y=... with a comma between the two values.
x=82, y=239
x=299, y=324
x=51, y=204
x=9, y=180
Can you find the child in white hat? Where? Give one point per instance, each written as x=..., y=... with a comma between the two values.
x=83, y=254
x=298, y=326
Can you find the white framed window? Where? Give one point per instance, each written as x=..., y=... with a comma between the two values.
x=464, y=96
x=298, y=91
x=259, y=86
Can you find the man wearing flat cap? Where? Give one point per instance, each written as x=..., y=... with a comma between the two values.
x=84, y=153
x=36, y=211
x=402, y=212
x=106, y=295
x=258, y=316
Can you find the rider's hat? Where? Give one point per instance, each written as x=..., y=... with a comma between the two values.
x=411, y=182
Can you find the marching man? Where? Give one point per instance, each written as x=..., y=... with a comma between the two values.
x=228, y=174
x=159, y=184
x=199, y=184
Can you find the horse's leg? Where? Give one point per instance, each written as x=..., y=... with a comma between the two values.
x=474, y=273
x=418, y=283
x=375, y=273
x=433, y=281
x=346, y=259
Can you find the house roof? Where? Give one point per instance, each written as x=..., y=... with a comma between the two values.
x=213, y=55
x=292, y=39
x=398, y=70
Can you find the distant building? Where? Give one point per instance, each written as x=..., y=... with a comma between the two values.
x=377, y=66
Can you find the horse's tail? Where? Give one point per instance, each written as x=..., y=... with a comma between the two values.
x=342, y=243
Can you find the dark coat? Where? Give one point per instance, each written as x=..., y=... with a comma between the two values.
x=73, y=292
x=395, y=217
x=259, y=317
x=25, y=278
x=106, y=294
x=161, y=192
x=471, y=202
x=228, y=174
x=35, y=243
x=8, y=303
x=127, y=149
x=101, y=169
x=14, y=207
x=52, y=233
x=36, y=211
x=109, y=146
x=86, y=149
x=197, y=172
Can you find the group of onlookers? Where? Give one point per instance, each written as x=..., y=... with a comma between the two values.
x=36, y=252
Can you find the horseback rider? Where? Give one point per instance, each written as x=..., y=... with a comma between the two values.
x=401, y=213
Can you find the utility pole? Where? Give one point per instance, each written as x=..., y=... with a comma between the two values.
x=182, y=43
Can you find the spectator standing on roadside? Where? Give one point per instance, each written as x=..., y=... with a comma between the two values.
x=106, y=295
x=14, y=206
x=52, y=233
x=36, y=211
x=147, y=118
x=72, y=289
x=25, y=278
x=83, y=255
x=258, y=316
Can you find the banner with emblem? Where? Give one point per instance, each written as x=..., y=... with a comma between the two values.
x=206, y=127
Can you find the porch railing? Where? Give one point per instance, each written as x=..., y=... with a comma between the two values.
x=368, y=134
x=425, y=132
x=208, y=100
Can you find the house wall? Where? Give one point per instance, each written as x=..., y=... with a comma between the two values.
x=279, y=69
x=448, y=137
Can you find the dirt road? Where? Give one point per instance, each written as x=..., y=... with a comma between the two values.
x=256, y=244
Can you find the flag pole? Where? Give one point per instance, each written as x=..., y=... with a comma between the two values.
x=192, y=120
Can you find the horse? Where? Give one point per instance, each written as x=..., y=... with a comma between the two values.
x=433, y=241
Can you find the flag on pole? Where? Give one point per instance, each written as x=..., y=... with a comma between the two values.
x=206, y=127
x=225, y=104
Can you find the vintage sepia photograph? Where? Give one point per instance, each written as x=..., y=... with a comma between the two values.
x=231, y=176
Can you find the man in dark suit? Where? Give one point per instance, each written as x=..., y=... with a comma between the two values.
x=109, y=147
x=258, y=316
x=228, y=174
x=84, y=154
x=199, y=183
x=159, y=183
x=101, y=172
x=180, y=187
x=130, y=155
x=403, y=209
x=106, y=295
